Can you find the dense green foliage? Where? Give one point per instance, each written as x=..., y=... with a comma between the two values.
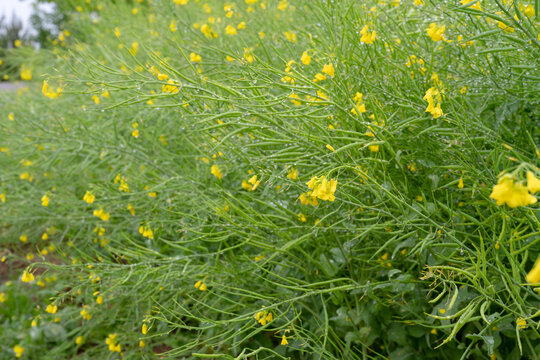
x=199, y=143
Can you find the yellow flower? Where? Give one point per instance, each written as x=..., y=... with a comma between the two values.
x=3, y=197
x=290, y=35
x=171, y=88
x=308, y=199
x=51, y=309
x=26, y=73
x=521, y=323
x=328, y=69
x=100, y=213
x=50, y=94
x=284, y=340
x=195, y=57
x=533, y=277
x=79, y=340
x=248, y=55
x=294, y=100
x=508, y=192
x=181, y=2
x=201, y=286
x=208, y=32
x=134, y=48
x=533, y=184
x=302, y=217
x=89, y=197
x=264, y=317
x=433, y=96
x=172, y=26
x=528, y=10
x=19, y=350
x=99, y=300
x=292, y=174
x=367, y=38
x=322, y=188
x=45, y=200
x=505, y=27
x=330, y=147
x=230, y=30
x=146, y=231
x=96, y=99
x=85, y=314
x=251, y=184
x=418, y=2
x=111, y=341
x=435, y=32
x=283, y=5
x=27, y=277
x=319, y=77
x=144, y=329
x=216, y=171
x=305, y=59
x=3, y=297
x=460, y=183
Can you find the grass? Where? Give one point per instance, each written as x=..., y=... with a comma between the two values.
x=412, y=259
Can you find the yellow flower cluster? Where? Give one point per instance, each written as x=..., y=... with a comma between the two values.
x=85, y=314
x=308, y=198
x=119, y=179
x=27, y=277
x=216, y=171
x=434, y=98
x=172, y=87
x=305, y=59
x=322, y=188
x=292, y=174
x=100, y=213
x=201, y=286
x=111, y=342
x=251, y=184
x=18, y=350
x=435, y=32
x=146, y=231
x=367, y=37
x=359, y=107
x=89, y=197
x=514, y=194
x=264, y=317
x=45, y=200
x=208, y=32
x=50, y=94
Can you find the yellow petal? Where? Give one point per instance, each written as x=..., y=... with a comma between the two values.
x=533, y=184
x=533, y=277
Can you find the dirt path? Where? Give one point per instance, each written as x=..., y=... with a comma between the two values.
x=6, y=86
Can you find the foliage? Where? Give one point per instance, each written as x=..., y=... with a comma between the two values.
x=211, y=190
